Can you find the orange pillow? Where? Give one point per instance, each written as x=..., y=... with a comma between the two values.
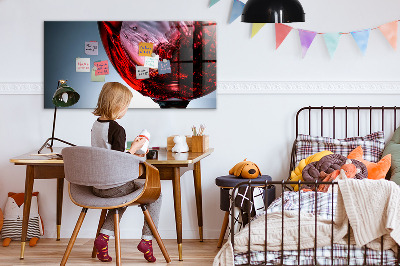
x=375, y=170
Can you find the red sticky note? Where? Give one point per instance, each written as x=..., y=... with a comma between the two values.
x=102, y=68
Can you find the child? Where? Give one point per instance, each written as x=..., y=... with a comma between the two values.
x=106, y=133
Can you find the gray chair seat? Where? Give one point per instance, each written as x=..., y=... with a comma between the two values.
x=83, y=196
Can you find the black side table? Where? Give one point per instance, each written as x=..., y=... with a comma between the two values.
x=228, y=182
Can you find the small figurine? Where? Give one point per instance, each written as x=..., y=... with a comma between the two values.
x=180, y=144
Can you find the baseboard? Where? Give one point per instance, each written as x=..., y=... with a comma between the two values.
x=259, y=87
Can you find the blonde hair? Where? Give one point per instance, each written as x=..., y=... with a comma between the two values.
x=113, y=98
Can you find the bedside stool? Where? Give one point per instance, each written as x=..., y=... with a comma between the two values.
x=228, y=182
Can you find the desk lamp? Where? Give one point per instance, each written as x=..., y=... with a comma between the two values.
x=273, y=11
x=64, y=96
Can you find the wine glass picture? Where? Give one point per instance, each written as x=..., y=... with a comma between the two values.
x=173, y=63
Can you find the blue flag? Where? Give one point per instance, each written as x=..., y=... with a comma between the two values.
x=361, y=37
x=237, y=9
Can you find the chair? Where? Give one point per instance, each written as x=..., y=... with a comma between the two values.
x=85, y=167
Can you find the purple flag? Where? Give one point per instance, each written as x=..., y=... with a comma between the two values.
x=306, y=39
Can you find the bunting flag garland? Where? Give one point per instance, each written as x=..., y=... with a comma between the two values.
x=332, y=41
x=213, y=2
x=281, y=31
x=237, y=9
x=256, y=27
x=361, y=37
x=306, y=39
x=389, y=30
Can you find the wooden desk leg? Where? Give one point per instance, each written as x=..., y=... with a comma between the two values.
x=199, y=204
x=176, y=184
x=27, y=206
x=60, y=191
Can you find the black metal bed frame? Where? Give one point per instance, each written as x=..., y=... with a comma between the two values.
x=283, y=184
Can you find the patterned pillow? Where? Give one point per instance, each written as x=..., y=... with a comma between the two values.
x=372, y=144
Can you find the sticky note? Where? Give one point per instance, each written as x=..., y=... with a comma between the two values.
x=98, y=78
x=102, y=67
x=164, y=67
x=151, y=61
x=91, y=48
x=142, y=72
x=145, y=48
x=82, y=64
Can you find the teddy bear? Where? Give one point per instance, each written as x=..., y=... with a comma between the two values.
x=180, y=144
x=13, y=215
x=245, y=169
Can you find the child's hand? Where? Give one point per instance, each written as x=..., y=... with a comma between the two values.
x=143, y=155
x=137, y=144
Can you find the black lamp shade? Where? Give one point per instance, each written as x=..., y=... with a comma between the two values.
x=273, y=11
x=65, y=95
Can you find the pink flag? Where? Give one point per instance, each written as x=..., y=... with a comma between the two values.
x=389, y=30
x=306, y=39
x=281, y=31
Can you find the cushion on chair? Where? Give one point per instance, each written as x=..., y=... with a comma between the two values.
x=83, y=196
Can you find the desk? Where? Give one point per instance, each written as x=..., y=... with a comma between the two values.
x=170, y=165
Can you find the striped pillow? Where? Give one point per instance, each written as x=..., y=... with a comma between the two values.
x=372, y=145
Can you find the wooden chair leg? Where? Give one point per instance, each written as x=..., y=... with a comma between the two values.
x=154, y=230
x=73, y=237
x=117, y=238
x=101, y=222
x=223, y=229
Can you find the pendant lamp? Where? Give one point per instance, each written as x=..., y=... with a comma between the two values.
x=272, y=11
x=64, y=96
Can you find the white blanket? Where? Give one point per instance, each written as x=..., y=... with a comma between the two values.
x=371, y=206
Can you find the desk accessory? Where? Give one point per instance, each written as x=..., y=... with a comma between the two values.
x=180, y=144
x=64, y=96
x=171, y=143
x=152, y=155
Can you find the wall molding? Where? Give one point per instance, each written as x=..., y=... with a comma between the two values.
x=309, y=87
x=259, y=87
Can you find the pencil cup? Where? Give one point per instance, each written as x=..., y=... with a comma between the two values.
x=200, y=143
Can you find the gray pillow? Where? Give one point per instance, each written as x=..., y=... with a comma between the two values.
x=393, y=148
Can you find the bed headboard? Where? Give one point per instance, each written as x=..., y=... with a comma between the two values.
x=344, y=121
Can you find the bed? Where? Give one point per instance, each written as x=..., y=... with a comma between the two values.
x=298, y=227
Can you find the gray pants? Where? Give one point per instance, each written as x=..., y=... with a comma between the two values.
x=153, y=208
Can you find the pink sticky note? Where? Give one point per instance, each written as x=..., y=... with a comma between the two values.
x=102, y=68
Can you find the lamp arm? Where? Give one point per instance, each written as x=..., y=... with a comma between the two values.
x=54, y=126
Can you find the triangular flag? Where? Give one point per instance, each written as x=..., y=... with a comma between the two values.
x=306, y=39
x=332, y=41
x=237, y=9
x=255, y=28
x=213, y=2
x=390, y=32
x=281, y=31
x=361, y=37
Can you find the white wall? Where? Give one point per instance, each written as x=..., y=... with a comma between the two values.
x=259, y=127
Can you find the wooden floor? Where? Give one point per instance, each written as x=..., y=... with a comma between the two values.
x=50, y=252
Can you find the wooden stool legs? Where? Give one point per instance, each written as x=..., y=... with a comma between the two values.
x=223, y=229
x=101, y=222
x=156, y=235
x=117, y=239
x=73, y=237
